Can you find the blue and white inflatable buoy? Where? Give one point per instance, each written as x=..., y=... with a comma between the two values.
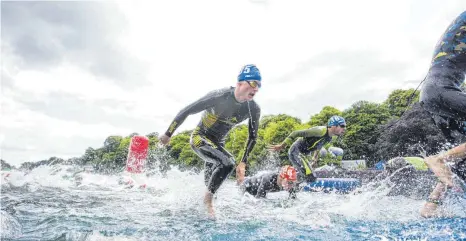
x=340, y=185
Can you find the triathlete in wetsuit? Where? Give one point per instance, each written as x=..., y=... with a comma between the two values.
x=224, y=109
x=261, y=184
x=441, y=94
x=310, y=140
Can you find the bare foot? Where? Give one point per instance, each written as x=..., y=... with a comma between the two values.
x=429, y=210
x=209, y=205
x=440, y=169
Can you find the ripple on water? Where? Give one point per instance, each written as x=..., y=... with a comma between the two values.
x=171, y=208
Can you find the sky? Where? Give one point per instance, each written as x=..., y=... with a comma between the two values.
x=74, y=73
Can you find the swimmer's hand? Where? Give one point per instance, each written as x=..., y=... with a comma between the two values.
x=164, y=139
x=240, y=173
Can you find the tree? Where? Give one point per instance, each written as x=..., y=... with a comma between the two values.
x=280, y=127
x=178, y=143
x=153, y=142
x=235, y=141
x=112, y=143
x=399, y=100
x=265, y=120
x=89, y=156
x=362, y=120
x=6, y=165
x=55, y=160
x=189, y=158
x=121, y=152
x=50, y=161
x=153, y=135
x=322, y=117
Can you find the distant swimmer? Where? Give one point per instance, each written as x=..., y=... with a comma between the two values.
x=272, y=181
x=310, y=140
x=223, y=109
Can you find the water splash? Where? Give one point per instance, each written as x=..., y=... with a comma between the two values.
x=9, y=225
x=54, y=201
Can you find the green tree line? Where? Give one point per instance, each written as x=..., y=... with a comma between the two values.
x=375, y=131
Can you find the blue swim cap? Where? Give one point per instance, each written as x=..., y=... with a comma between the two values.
x=336, y=121
x=249, y=72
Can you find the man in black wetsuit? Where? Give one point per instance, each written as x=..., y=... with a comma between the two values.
x=223, y=109
x=442, y=96
x=273, y=181
x=310, y=140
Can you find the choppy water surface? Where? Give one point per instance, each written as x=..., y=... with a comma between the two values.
x=54, y=203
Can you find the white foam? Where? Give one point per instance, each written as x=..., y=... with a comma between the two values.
x=182, y=193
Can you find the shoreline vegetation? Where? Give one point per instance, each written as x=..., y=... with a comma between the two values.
x=375, y=132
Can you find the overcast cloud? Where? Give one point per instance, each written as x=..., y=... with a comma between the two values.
x=74, y=73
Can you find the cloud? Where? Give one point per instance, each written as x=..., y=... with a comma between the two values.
x=45, y=34
x=33, y=134
x=349, y=76
x=74, y=73
x=44, y=116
